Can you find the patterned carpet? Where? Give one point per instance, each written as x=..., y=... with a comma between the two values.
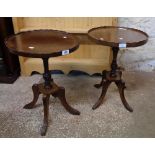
x=110, y=120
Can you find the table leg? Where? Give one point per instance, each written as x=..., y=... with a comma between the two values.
x=49, y=88
x=46, y=112
x=121, y=86
x=61, y=95
x=105, y=85
x=112, y=76
x=36, y=93
x=103, y=78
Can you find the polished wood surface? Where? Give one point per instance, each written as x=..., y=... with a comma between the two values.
x=42, y=43
x=113, y=36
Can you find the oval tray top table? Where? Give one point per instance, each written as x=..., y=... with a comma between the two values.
x=116, y=38
x=44, y=44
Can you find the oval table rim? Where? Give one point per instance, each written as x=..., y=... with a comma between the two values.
x=113, y=44
x=33, y=55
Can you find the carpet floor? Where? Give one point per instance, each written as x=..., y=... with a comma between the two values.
x=111, y=119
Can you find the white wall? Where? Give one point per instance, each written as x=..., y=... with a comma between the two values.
x=143, y=57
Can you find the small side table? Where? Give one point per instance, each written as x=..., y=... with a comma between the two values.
x=116, y=38
x=44, y=44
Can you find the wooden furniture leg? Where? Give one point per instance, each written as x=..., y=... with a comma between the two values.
x=46, y=113
x=103, y=78
x=121, y=86
x=112, y=76
x=36, y=93
x=49, y=88
x=61, y=95
x=105, y=86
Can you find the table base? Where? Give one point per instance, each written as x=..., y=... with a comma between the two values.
x=55, y=91
x=107, y=79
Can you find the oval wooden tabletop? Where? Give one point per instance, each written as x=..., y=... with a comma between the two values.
x=42, y=43
x=118, y=36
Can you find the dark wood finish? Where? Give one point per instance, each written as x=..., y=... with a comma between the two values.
x=49, y=45
x=9, y=65
x=113, y=37
x=112, y=76
x=41, y=43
